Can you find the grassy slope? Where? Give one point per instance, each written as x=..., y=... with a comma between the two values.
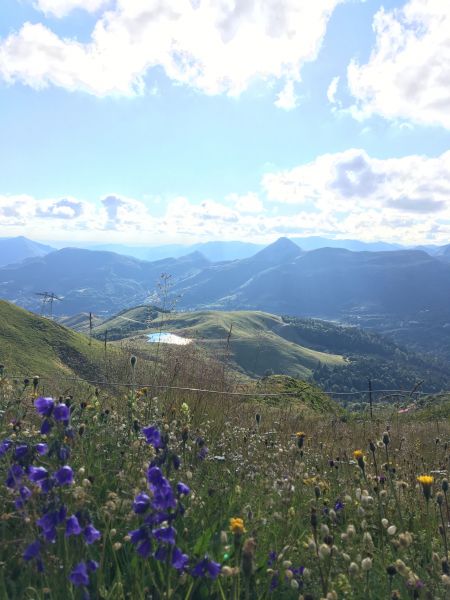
x=31, y=345
x=255, y=343
x=306, y=397
x=79, y=322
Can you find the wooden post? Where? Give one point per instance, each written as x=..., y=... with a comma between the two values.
x=370, y=398
x=90, y=329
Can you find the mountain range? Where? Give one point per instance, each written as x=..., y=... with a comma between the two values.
x=403, y=293
x=16, y=249
x=84, y=280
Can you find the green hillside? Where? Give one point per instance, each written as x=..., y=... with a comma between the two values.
x=255, y=343
x=79, y=322
x=33, y=345
x=304, y=396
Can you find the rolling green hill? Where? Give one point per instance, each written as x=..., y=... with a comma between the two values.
x=255, y=344
x=33, y=345
x=335, y=357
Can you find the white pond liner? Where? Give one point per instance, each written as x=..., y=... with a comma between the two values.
x=167, y=338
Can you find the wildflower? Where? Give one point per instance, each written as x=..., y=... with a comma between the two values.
x=237, y=526
x=21, y=451
x=183, y=489
x=152, y=436
x=392, y=530
x=405, y=539
x=426, y=482
x=41, y=449
x=80, y=574
x=353, y=569
x=366, y=564
x=141, y=503
x=72, y=526
x=91, y=534
x=206, y=567
x=165, y=535
x=32, y=550
x=64, y=475
x=324, y=551
x=37, y=474
x=203, y=453
x=5, y=445
x=358, y=455
x=179, y=560
x=44, y=406
x=46, y=426
x=61, y=412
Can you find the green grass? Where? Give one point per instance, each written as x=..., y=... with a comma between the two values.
x=33, y=345
x=256, y=343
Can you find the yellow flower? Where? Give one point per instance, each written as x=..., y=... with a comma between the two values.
x=358, y=454
x=426, y=482
x=237, y=525
x=300, y=434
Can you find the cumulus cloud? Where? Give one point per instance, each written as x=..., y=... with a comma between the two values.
x=408, y=72
x=287, y=98
x=342, y=195
x=332, y=90
x=246, y=203
x=351, y=179
x=124, y=213
x=67, y=208
x=24, y=209
x=61, y=8
x=216, y=47
x=400, y=199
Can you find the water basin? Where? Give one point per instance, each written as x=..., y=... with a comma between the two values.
x=167, y=338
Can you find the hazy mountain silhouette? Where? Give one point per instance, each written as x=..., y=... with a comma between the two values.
x=16, y=249
x=91, y=281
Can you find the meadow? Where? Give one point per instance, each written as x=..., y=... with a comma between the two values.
x=115, y=494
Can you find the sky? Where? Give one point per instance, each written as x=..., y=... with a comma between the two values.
x=181, y=121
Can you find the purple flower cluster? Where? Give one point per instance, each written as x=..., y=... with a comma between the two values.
x=51, y=412
x=49, y=482
x=156, y=536
x=80, y=574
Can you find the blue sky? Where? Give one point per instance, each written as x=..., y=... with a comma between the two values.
x=137, y=121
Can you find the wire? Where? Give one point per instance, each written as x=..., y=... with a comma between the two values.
x=227, y=393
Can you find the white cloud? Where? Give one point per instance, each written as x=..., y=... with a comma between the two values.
x=332, y=90
x=354, y=194
x=344, y=195
x=23, y=209
x=124, y=214
x=287, y=99
x=408, y=73
x=61, y=8
x=247, y=203
x=216, y=47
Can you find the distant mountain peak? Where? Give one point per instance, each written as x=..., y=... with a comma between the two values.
x=195, y=256
x=282, y=249
x=16, y=249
